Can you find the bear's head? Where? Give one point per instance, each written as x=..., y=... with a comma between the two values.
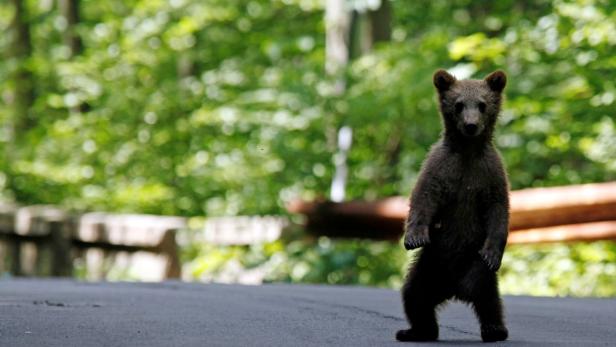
x=470, y=107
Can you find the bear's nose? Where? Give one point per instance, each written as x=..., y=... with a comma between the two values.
x=470, y=128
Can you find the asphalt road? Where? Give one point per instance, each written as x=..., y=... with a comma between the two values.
x=67, y=313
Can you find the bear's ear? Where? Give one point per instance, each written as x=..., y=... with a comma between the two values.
x=497, y=80
x=443, y=80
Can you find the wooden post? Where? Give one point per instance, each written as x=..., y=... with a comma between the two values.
x=15, y=256
x=61, y=259
x=10, y=248
x=169, y=248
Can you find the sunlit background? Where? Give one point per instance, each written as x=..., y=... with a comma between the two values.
x=227, y=108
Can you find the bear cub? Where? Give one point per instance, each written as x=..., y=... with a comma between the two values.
x=459, y=213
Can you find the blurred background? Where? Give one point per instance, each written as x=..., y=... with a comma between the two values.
x=223, y=112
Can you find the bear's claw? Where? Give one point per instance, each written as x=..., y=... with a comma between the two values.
x=491, y=258
x=416, y=238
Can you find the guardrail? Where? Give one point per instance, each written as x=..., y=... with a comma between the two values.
x=45, y=240
x=559, y=214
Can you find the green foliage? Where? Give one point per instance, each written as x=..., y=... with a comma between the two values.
x=557, y=125
x=223, y=107
x=192, y=107
x=303, y=261
x=582, y=269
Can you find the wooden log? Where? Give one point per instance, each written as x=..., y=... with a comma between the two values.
x=380, y=220
x=530, y=208
x=127, y=230
x=241, y=230
x=133, y=233
x=394, y=207
x=33, y=220
x=539, y=207
x=566, y=233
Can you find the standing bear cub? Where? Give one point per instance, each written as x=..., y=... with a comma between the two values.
x=459, y=212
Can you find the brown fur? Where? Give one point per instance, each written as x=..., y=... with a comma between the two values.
x=459, y=212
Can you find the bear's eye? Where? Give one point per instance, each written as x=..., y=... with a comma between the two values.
x=482, y=107
x=459, y=107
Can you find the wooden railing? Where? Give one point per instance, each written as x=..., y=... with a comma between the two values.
x=558, y=214
x=45, y=240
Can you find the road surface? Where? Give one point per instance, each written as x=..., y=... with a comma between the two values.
x=68, y=313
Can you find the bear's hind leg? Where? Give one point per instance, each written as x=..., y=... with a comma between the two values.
x=480, y=288
x=489, y=312
x=420, y=295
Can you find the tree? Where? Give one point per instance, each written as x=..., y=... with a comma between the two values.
x=70, y=12
x=23, y=79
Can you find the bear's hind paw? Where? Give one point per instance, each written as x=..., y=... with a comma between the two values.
x=493, y=333
x=416, y=335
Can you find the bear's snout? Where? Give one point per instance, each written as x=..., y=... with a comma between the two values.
x=471, y=128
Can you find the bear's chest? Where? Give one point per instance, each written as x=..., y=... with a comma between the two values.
x=469, y=181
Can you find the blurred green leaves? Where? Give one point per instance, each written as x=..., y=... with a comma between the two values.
x=192, y=108
x=223, y=107
x=302, y=261
x=477, y=48
x=560, y=270
x=581, y=269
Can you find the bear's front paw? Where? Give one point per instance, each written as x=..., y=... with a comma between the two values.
x=492, y=258
x=416, y=237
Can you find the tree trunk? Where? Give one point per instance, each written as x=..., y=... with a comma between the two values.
x=380, y=23
x=349, y=34
x=337, y=53
x=23, y=77
x=337, y=26
x=70, y=11
x=369, y=28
